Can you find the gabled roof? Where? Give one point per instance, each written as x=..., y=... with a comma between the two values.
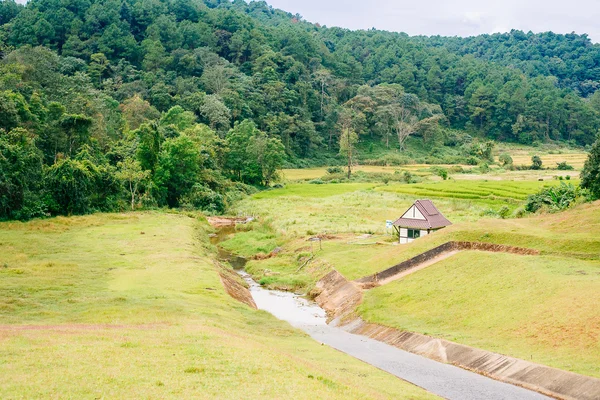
x=433, y=217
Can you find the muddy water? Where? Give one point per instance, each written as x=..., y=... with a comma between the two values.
x=224, y=233
x=286, y=306
x=444, y=380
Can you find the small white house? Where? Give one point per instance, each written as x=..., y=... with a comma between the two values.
x=421, y=219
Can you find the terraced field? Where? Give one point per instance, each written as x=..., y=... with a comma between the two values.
x=472, y=190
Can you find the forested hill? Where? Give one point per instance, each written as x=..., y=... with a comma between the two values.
x=571, y=58
x=97, y=92
x=291, y=77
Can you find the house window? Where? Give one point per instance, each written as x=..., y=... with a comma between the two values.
x=414, y=233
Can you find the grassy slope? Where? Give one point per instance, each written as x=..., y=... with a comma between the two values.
x=131, y=306
x=535, y=308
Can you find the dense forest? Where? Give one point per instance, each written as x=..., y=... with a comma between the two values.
x=108, y=104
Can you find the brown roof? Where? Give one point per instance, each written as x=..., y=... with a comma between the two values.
x=433, y=217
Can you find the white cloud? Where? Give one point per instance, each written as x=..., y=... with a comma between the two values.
x=450, y=18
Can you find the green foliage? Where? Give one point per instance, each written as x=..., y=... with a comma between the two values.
x=125, y=79
x=253, y=157
x=20, y=176
x=70, y=185
x=556, y=198
x=441, y=172
x=590, y=175
x=563, y=166
x=176, y=171
x=334, y=170
x=536, y=163
x=506, y=160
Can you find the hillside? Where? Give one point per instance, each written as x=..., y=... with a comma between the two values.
x=107, y=105
x=131, y=305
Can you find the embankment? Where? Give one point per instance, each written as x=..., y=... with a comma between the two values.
x=449, y=247
x=340, y=298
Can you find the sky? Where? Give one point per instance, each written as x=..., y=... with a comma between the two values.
x=452, y=17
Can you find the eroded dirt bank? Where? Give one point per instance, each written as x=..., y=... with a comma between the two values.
x=340, y=298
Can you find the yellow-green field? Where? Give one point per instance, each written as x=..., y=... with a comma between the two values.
x=313, y=173
x=131, y=306
x=523, y=157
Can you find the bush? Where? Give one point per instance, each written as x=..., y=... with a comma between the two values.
x=563, y=166
x=335, y=170
x=441, y=172
x=456, y=169
x=536, y=163
x=554, y=199
x=504, y=212
x=317, y=181
x=484, y=168
x=204, y=198
x=505, y=160
x=472, y=160
x=408, y=177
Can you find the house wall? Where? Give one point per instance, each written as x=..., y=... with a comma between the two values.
x=413, y=213
x=404, y=239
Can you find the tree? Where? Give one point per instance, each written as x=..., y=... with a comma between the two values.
x=136, y=111
x=149, y=145
x=70, y=184
x=20, y=176
x=536, y=162
x=77, y=130
x=348, y=138
x=269, y=153
x=177, y=170
x=590, y=175
x=215, y=112
x=132, y=175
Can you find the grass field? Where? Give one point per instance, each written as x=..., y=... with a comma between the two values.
x=131, y=306
x=537, y=308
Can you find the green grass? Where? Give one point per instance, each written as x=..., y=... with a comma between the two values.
x=313, y=191
x=488, y=191
x=538, y=308
x=131, y=306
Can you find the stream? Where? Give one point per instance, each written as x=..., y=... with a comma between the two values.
x=445, y=380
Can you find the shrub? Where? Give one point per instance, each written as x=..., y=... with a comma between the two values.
x=505, y=160
x=317, y=181
x=335, y=170
x=472, y=160
x=555, y=198
x=204, y=198
x=504, y=212
x=456, y=169
x=441, y=172
x=536, y=163
x=484, y=168
x=408, y=177
x=563, y=166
